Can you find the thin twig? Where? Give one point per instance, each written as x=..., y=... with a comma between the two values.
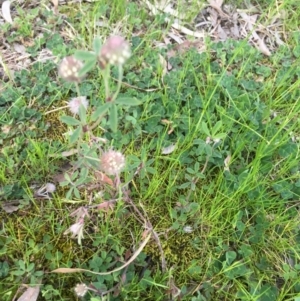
x=150, y=227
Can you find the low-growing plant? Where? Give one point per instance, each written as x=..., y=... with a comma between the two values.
x=95, y=159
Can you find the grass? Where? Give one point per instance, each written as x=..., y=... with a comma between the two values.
x=224, y=203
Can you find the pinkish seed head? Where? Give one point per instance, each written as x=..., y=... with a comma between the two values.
x=115, y=51
x=69, y=69
x=112, y=162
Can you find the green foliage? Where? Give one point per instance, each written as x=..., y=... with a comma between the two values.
x=224, y=201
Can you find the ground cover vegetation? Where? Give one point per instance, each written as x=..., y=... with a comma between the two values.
x=149, y=151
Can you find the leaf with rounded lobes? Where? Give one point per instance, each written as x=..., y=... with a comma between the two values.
x=230, y=257
x=101, y=110
x=113, y=118
x=69, y=120
x=128, y=101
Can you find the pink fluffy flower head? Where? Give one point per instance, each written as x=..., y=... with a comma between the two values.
x=115, y=51
x=74, y=104
x=112, y=162
x=69, y=69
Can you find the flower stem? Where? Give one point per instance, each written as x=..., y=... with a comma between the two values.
x=97, y=122
x=106, y=76
x=120, y=77
x=77, y=89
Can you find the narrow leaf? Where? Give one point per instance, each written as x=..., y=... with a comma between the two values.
x=77, y=195
x=113, y=118
x=88, y=66
x=97, y=45
x=205, y=129
x=84, y=55
x=75, y=135
x=92, y=158
x=101, y=110
x=82, y=114
x=84, y=173
x=217, y=127
x=69, y=120
x=128, y=101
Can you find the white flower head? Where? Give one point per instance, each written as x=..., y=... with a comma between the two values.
x=81, y=289
x=74, y=104
x=188, y=229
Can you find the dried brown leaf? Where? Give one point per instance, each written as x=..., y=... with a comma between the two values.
x=6, y=12
x=55, y=4
x=31, y=294
x=20, y=48
x=173, y=290
x=107, y=206
x=197, y=34
x=176, y=37
x=257, y=40
x=235, y=31
x=69, y=152
x=216, y=3
x=127, y=255
x=166, y=121
x=102, y=177
x=134, y=256
x=10, y=207
x=227, y=162
x=278, y=40
x=163, y=64
x=261, y=45
x=222, y=35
